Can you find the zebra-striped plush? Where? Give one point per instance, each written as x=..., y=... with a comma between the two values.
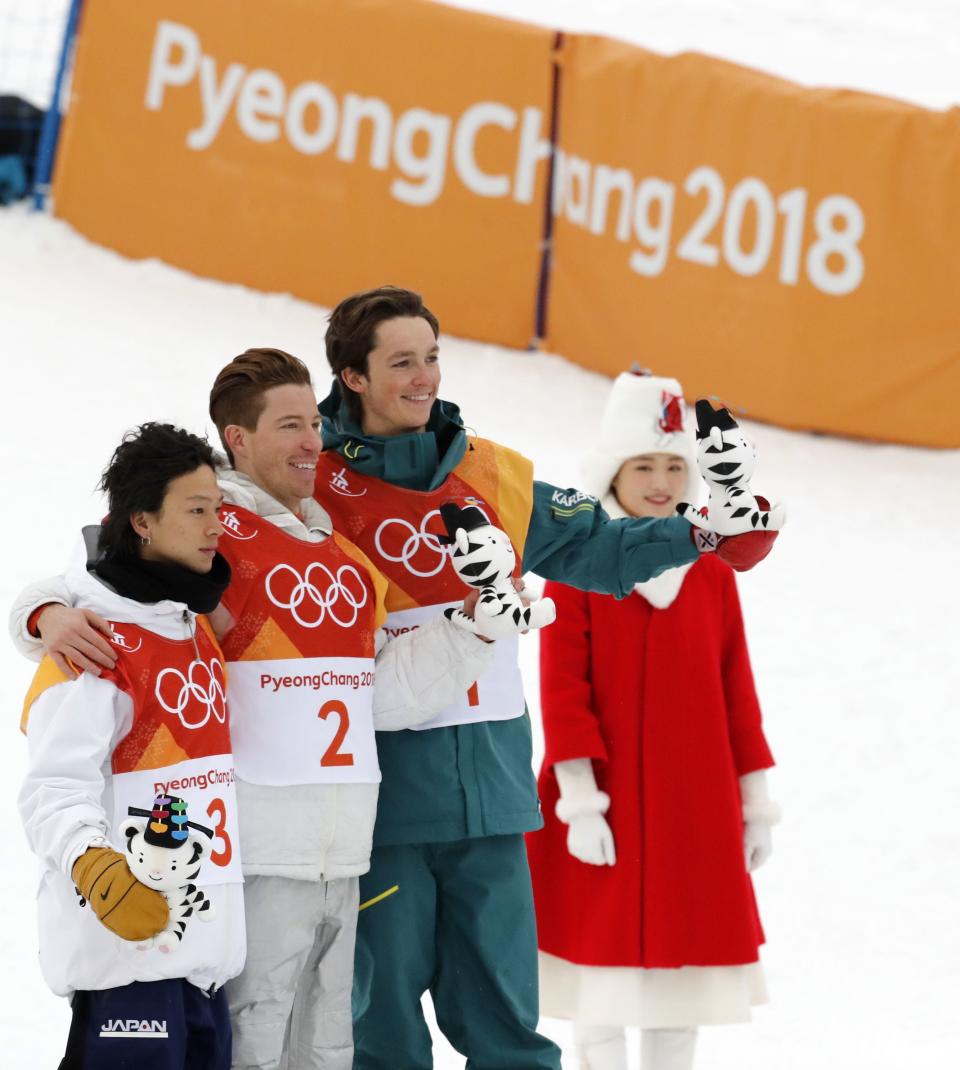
x=726, y=459
x=172, y=871
x=483, y=557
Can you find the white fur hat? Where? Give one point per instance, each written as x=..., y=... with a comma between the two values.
x=643, y=414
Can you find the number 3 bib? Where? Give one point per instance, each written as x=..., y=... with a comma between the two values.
x=179, y=742
x=300, y=655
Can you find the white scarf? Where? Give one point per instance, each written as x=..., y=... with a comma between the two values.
x=239, y=489
x=661, y=591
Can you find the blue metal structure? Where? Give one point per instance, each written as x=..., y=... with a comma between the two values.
x=50, y=132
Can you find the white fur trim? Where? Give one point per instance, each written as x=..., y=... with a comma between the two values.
x=657, y=998
x=595, y=802
x=662, y=590
x=762, y=811
x=629, y=427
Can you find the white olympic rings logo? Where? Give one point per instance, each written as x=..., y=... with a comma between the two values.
x=210, y=693
x=415, y=541
x=304, y=590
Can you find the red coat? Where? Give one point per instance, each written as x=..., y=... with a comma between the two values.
x=663, y=700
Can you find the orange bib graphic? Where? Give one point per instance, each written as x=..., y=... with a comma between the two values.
x=301, y=653
x=179, y=742
x=400, y=532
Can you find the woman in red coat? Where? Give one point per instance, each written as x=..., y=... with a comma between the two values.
x=653, y=790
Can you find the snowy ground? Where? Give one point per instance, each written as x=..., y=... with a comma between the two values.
x=852, y=623
x=899, y=49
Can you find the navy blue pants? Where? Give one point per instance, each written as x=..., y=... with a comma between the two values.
x=149, y=1025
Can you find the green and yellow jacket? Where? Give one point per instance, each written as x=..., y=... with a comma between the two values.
x=472, y=775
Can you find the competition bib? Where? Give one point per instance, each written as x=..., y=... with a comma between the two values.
x=401, y=532
x=300, y=655
x=304, y=721
x=179, y=742
x=208, y=787
x=497, y=695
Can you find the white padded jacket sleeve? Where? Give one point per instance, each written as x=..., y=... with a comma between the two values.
x=30, y=598
x=420, y=673
x=70, y=735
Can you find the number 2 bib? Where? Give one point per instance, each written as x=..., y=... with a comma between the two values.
x=300, y=655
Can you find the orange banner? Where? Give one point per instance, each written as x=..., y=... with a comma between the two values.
x=788, y=250
x=792, y=251
x=317, y=148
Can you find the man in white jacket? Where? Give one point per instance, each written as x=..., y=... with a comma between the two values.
x=101, y=745
x=297, y=627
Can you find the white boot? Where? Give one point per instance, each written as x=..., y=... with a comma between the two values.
x=600, y=1047
x=667, y=1049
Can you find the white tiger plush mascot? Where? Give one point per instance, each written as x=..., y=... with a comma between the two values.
x=484, y=558
x=726, y=459
x=163, y=855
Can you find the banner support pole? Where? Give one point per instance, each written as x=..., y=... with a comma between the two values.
x=546, y=243
x=50, y=131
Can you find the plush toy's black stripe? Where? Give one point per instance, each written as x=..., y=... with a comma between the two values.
x=474, y=569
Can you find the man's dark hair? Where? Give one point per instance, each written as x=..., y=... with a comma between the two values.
x=238, y=392
x=353, y=326
x=137, y=477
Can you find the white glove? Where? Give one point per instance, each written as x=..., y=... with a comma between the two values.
x=760, y=814
x=581, y=807
x=590, y=840
x=757, y=844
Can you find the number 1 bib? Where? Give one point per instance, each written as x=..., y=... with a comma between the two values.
x=400, y=532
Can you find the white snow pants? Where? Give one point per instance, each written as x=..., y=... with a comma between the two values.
x=290, y=1008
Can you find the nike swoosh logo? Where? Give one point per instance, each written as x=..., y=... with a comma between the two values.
x=103, y=895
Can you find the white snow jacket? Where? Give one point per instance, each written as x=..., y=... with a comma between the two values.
x=66, y=804
x=319, y=831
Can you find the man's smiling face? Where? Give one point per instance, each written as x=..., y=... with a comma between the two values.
x=402, y=378
x=280, y=454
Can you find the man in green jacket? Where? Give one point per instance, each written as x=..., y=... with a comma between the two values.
x=458, y=794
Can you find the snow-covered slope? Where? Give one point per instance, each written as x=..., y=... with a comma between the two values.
x=852, y=624
x=853, y=621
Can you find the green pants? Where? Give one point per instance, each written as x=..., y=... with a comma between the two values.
x=462, y=926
